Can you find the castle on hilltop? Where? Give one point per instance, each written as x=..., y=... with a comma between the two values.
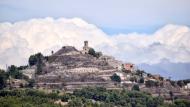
x=69, y=65
x=86, y=48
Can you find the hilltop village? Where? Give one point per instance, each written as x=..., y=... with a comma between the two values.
x=69, y=69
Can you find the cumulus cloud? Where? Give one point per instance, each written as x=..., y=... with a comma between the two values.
x=21, y=39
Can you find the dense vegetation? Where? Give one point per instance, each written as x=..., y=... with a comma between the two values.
x=94, y=53
x=27, y=98
x=14, y=72
x=180, y=83
x=136, y=87
x=100, y=97
x=120, y=98
x=86, y=97
x=3, y=78
x=37, y=59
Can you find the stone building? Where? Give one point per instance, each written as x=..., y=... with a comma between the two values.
x=129, y=67
x=85, y=48
x=187, y=86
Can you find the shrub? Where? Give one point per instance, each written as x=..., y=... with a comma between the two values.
x=136, y=87
x=94, y=53
x=115, y=78
x=182, y=103
x=3, y=78
x=14, y=72
x=33, y=59
x=151, y=83
x=65, y=98
x=77, y=102
x=141, y=80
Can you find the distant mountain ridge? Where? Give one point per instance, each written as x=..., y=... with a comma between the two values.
x=168, y=69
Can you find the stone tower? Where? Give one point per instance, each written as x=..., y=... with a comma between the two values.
x=86, y=43
x=85, y=47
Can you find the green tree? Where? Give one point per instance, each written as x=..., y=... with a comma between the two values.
x=39, y=66
x=182, y=103
x=33, y=59
x=37, y=59
x=173, y=83
x=77, y=102
x=180, y=83
x=22, y=67
x=65, y=98
x=14, y=72
x=117, y=98
x=136, y=87
x=3, y=78
x=92, y=52
x=115, y=78
x=141, y=80
x=158, y=100
x=98, y=54
x=140, y=72
x=171, y=96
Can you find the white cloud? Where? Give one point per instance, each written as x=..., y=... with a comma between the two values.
x=21, y=39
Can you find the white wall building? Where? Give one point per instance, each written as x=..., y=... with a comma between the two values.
x=187, y=86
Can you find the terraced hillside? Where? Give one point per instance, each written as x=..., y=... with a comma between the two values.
x=69, y=68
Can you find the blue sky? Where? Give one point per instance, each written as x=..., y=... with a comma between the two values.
x=112, y=16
